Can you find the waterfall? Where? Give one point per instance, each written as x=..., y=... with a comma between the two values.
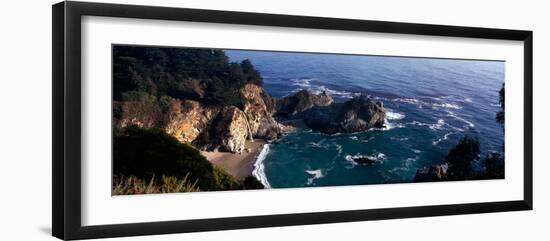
x=248, y=126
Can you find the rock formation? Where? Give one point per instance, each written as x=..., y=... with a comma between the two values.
x=230, y=130
x=355, y=115
x=431, y=174
x=303, y=100
x=259, y=113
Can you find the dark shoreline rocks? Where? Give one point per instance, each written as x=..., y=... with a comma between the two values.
x=302, y=101
x=431, y=174
x=355, y=115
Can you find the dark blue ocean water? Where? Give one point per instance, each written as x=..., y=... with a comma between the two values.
x=431, y=104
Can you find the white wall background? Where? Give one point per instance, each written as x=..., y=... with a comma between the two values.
x=25, y=120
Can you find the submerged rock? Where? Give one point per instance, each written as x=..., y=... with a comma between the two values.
x=355, y=115
x=364, y=160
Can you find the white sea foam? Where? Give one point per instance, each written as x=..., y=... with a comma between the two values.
x=409, y=162
x=452, y=114
x=399, y=139
x=305, y=83
x=319, y=144
x=445, y=137
x=409, y=101
x=355, y=138
x=421, y=103
x=367, y=140
x=447, y=105
x=259, y=168
x=390, y=115
x=315, y=174
x=416, y=151
x=437, y=125
x=338, y=149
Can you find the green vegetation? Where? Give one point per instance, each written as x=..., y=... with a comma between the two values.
x=467, y=150
x=251, y=182
x=224, y=180
x=145, y=80
x=166, y=184
x=140, y=153
x=204, y=75
x=500, y=114
x=145, y=152
x=494, y=162
x=460, y=157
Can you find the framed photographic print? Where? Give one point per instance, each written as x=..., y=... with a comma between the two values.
x=170, y=120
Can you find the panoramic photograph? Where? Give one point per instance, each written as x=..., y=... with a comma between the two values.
x=203, y=119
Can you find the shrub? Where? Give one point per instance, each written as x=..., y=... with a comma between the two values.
x=251, y=182
x=224, y=180
x=494, y=166
x=167, y=184
x=144, y=152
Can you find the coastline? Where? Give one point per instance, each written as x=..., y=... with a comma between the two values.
x=240, y=165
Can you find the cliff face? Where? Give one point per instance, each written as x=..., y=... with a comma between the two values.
x=231, y=130
x=140, y=113
x=258, y=113
x=186, y=119
x=208, y=127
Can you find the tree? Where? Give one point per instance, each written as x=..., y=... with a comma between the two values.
x=204, y=75
x=251, y=74
x=460, y=158
x=500, y=114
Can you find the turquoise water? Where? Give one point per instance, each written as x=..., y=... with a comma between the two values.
x=432, y=103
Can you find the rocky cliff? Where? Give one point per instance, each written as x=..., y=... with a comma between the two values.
x=208, y=127
x=259, y=108
x=227, y=128
x=186, y=119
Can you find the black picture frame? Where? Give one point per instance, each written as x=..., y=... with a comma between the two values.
x=66, y=47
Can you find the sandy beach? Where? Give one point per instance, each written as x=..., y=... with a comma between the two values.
x=238, y=165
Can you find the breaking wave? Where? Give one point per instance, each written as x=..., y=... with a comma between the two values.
x=259, y=168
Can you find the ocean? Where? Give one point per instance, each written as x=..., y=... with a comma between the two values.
x=431, y=104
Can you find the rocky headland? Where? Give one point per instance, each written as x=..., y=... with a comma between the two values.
x=228, y=128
